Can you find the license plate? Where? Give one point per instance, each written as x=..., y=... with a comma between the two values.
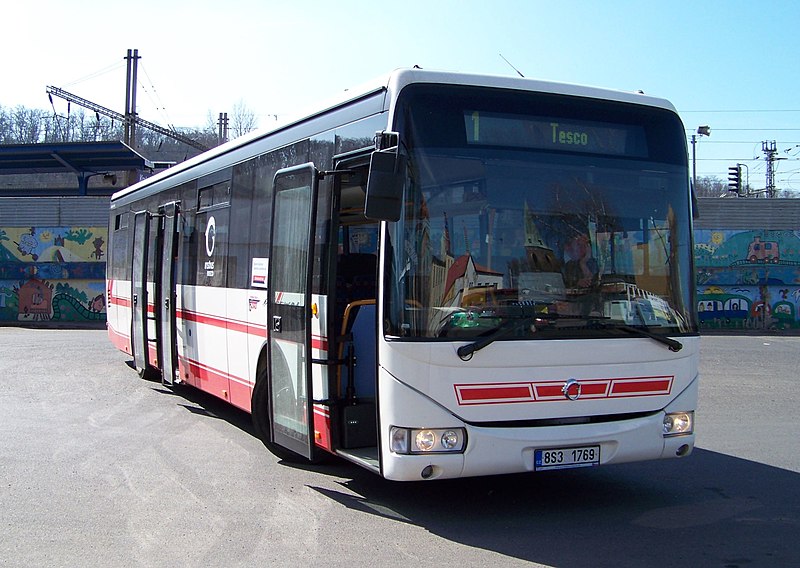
x=565, y=458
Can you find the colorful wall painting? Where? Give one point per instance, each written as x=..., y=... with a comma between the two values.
x=52, y=274
x=748, y=279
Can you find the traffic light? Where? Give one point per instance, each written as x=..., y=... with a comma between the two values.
x=735, y=178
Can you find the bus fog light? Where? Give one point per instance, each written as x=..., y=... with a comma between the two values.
x=399, y=440
x=425, y=440
x=678, y=423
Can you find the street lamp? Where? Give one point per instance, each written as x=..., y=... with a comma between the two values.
x=701, y=131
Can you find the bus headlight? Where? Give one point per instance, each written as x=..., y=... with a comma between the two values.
x=678, y=423
x=427, y=440
x=451, y=440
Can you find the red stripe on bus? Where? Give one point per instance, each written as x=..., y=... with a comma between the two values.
x=660, y=385
x=319, y=342
x=549, y=391
x=119, y=301
x=493, y=393
x=217, y=321
x=119, y=340
x=322, y=427
x=206, y=372
x=556, y=389
x=498, y=393
x=594, y=389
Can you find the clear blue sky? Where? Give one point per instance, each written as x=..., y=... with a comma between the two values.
x=727, y=64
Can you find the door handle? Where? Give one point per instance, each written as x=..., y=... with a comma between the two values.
x=135, y=299
x=276, y=324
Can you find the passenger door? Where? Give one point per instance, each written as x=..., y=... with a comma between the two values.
x=139, y=340
x=289, y=309
x=168, y=355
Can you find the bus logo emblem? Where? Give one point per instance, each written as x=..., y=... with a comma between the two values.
x=211, y=236
x=572, y=389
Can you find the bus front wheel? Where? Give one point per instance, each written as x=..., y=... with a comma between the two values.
x=259, y=410
x=149, y=373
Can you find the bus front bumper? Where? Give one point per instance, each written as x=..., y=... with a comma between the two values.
x=503, y=450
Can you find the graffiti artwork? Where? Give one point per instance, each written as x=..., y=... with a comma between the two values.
x=748, y=279
x=52, y=273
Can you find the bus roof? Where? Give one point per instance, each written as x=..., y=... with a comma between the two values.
x=393, y=83
x=402, y=77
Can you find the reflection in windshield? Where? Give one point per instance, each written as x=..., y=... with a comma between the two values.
x=492, y=232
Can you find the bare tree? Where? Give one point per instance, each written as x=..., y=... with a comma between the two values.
x=243, y=120
x=26, y=126
x=5, y=126
x=710, y=186
x=211, y=124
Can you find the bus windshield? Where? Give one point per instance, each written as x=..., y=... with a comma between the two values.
x=545, y=215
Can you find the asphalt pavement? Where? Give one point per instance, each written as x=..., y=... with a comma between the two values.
x=101, y=468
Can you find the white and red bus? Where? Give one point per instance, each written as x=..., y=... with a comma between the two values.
x=440, y=275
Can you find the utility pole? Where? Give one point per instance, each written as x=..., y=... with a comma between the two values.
x=701, y=131
x=222, y=135
x=130, y=97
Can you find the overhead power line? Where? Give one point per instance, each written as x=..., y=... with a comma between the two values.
x=121, y=117
x=765, y=129
x=706, y=142
x=745, y=110
x=102, y=71
x=755, y=129
x=155, y=98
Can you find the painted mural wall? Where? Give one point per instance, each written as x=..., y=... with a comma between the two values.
x=748, y=279
x=52, y=274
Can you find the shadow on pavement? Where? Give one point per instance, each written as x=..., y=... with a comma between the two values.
x=708, y=510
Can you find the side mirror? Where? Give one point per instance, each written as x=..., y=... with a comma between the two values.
x=385, y=184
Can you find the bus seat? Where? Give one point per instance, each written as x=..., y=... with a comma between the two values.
x=365, y=344
x=358, y=412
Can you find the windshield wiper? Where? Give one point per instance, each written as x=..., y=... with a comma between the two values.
x=671, y=343
x=607, y=323
x=645, y=332
x=465, y=352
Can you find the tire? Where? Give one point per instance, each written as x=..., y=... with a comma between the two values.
x=149, y=374
x=259, y=412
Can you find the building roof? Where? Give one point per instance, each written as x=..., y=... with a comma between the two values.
x=747, y=213
x=75, y=157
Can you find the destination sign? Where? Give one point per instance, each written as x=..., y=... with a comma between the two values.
x=521, y=131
